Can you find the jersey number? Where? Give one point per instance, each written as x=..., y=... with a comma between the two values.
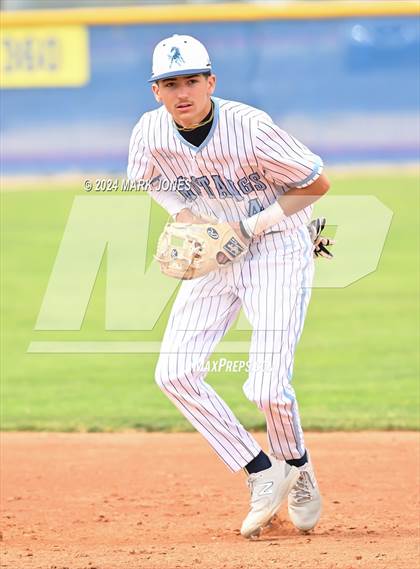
x=254, y=206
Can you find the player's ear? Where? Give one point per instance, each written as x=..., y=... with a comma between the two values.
x=156, y=93
x=211, y=84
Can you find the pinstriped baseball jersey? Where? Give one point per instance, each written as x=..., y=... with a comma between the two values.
x=245, y=163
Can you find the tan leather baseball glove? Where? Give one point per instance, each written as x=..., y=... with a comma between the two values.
x=188, y=250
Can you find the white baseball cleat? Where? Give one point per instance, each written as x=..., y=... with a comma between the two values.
x=304, y=500
x=269, y=488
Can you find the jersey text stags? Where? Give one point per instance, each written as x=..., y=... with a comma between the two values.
x=245, y=163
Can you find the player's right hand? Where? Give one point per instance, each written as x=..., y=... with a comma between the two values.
x=315, y=228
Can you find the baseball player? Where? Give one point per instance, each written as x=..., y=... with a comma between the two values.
x=228, y=162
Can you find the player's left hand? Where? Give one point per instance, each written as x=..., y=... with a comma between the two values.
x=315, y=228
x=237, y=229
x=191, y=250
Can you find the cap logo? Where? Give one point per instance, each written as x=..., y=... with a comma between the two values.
x=175, y=56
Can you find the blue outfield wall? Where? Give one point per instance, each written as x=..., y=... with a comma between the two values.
x=348, y=88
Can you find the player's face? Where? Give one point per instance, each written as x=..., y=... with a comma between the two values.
x=187, y=99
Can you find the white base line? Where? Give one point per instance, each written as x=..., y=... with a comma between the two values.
x=107, y=347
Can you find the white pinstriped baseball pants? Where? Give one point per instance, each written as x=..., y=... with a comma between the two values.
x=273, y=285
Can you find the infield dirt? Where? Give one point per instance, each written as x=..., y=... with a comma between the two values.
x=165, y=501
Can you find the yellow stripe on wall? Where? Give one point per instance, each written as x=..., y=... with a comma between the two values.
x=211, y=13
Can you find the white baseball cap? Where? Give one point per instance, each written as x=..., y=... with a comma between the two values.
x=179, y=55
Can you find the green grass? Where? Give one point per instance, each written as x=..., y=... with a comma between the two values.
x=356, y=366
